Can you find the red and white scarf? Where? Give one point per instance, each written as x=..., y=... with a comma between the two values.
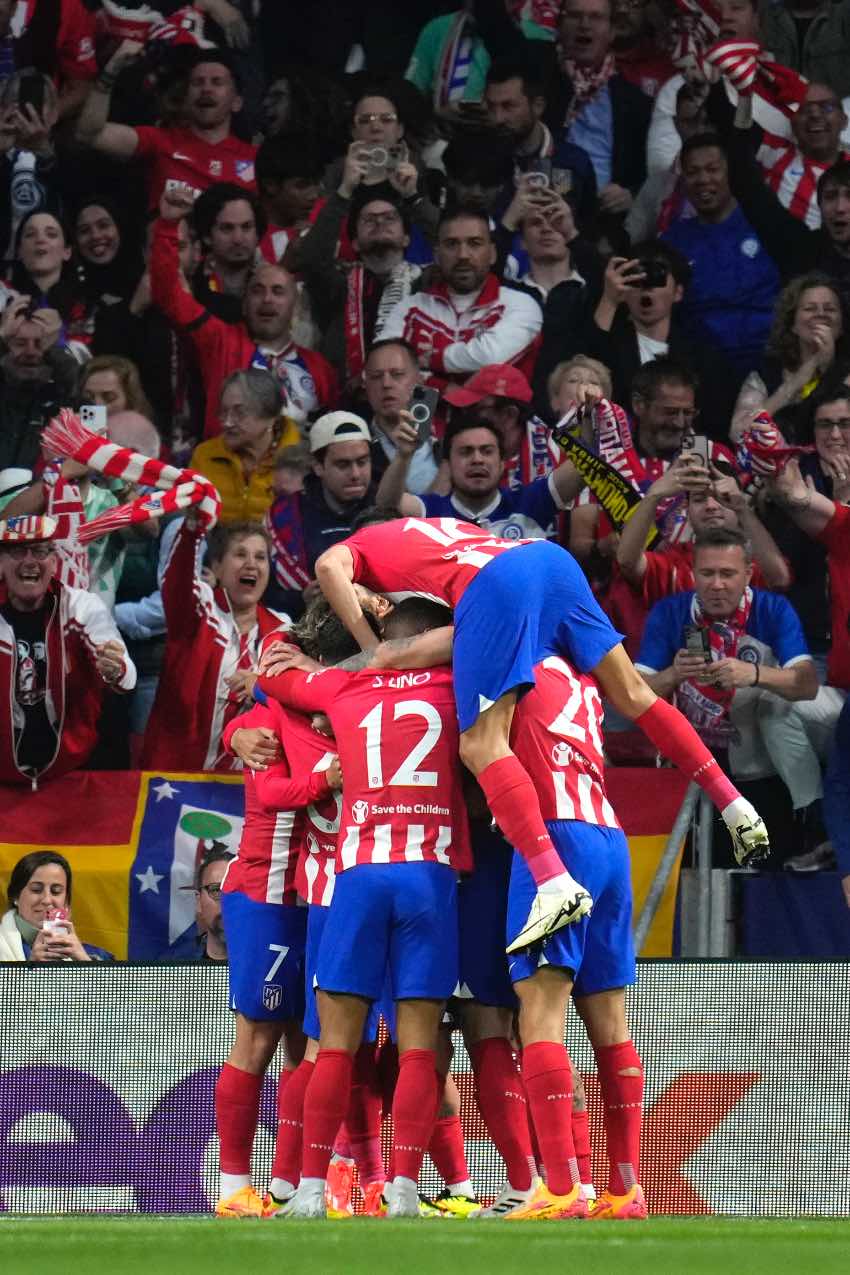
x=398, y=286
x=707, y=707
x=178, y=489
x=64, y=502
x=586, y=81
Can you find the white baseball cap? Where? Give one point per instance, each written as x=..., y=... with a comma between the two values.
x=13, y=480
x=338, y=427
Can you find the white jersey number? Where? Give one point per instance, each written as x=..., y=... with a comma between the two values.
x=407, y=774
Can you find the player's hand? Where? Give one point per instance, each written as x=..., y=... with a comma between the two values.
x=375, y=603
x=405, y=435
x=281, y=658
x=242, y=683
x=334, y=774
x=176, y=202
x=109, y=661
x=687, y=666
x=257, y=747
x=615, y=199
x=622, y=276
x=128, y=52
x=354, y=169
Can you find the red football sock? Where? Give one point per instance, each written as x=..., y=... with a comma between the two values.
x=414, y=1108
x=548, y=1080
x=342, y=1142
x=675, y=738
x=581, y=1142
x=622, y=1098
x=446, y=1150
x=325, y=1104
x=501, y=1101
x=513, y=801
x=388, y=1073
x=363, y=1120
x=290, y=1124
x=237, y=1111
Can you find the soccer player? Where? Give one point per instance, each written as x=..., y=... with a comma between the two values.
x=517, y=602
x=557, y=736
x=403, y=838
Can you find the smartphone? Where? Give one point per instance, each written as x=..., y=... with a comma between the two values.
x=93, y=416
x=701, y=448
x=423, y=405
x=31, y=91
x=655, y=274
x=697, y=642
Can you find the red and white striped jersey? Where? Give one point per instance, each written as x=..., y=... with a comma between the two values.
x=557, y=735
x=398, y=746
x=438, y=557
x=284, y=806
x=793, y=177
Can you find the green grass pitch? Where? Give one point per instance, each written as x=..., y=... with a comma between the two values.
x=135, y=1245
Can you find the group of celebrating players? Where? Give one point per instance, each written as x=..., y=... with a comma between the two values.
x=445, y=676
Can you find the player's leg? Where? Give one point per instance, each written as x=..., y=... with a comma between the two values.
x=423, y=964
x=485, y=1004
x=446, y=1147
x=607, y=967
x=581, y=1136
x=548, y=1078
x=501, y=1099
x=675, y=738
x=415, y=1101
x=621, y=1081
x=512, y=798
x=350, y=975
x=266, y=951
x=286, y=1164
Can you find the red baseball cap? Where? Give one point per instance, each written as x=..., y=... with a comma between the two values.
x=502, y=380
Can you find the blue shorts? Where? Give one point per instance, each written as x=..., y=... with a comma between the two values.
x=482, y=899
x=599, y=948
x=527, y=603
x=316, y=918
x=265, y=951
x=400, y=917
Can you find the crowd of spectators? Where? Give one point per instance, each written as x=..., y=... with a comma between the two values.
x=331, y=256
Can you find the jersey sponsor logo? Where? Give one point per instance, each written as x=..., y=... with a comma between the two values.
x=272, y=996
x=245, y=170
x=360, y=811
x=562, y=754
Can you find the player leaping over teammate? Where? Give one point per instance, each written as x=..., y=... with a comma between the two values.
x=515, y=603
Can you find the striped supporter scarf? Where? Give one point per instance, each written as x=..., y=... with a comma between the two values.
x=707, y=707
x=177, y=489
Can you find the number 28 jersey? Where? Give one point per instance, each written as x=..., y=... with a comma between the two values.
x=434, y=556
x=397, y=737
x=557, y=735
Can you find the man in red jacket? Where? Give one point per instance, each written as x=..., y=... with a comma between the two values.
x=59, y=649
x=264, y=337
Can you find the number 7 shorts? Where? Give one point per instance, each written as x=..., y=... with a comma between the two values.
x=265, y=951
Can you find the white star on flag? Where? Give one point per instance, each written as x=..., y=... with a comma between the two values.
x=148, y=880
x=165, y=789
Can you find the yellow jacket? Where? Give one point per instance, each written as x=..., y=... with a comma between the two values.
x=241, y=500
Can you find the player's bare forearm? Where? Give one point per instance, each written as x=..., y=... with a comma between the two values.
x=622, y=684
x=335, y=574
x=424, y=650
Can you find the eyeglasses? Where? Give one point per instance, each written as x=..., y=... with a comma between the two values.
x=19, y=552
x=374, y=220
x=828, y=426
x=818, y=108
x=212, y=891
x=375, y=117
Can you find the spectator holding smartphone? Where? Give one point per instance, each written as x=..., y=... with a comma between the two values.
x=391, y=377
x=38, y=926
